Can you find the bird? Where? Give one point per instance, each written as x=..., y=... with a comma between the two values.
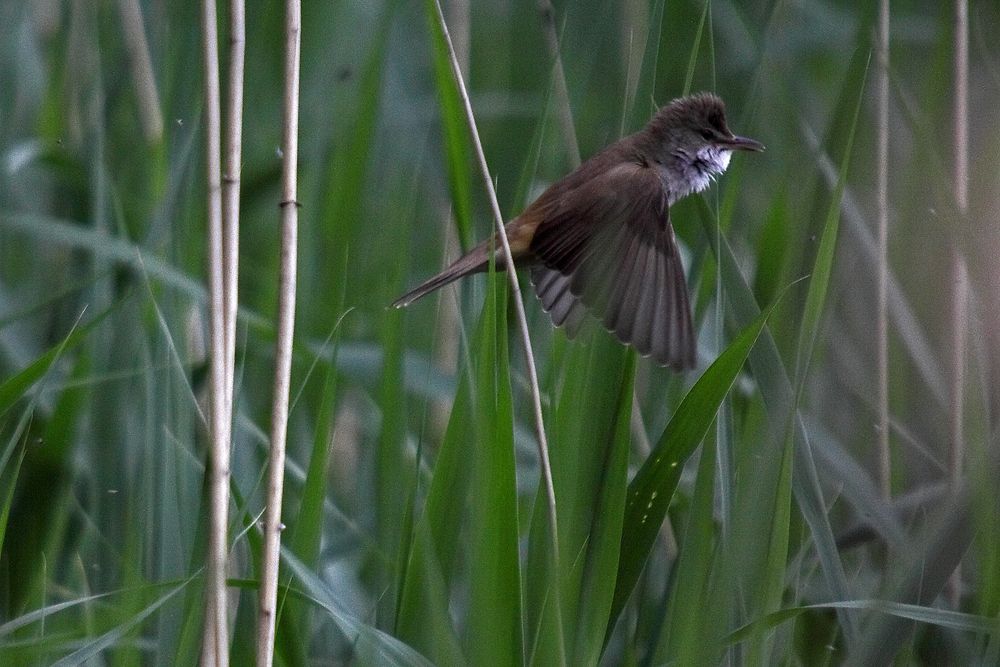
x=599, y=241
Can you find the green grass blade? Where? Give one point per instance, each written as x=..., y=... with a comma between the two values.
x=393, y=466
x=7, y=492
x=456, y=133
x=652, y=488
x=423, y=620
x=767, y=592
x=764, y=561
x=367, y=640
x=93, y=648
x=597, y=586
x=473, y=478
x=588, y=435
x=686, y=640
x=693, y=56
x=777, y=392
x=943, y=618
x=16, y=386
x=823, y=266
x=493, y=635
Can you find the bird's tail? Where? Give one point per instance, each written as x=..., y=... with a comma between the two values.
x=475, y=261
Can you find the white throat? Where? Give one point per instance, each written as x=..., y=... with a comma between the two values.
x=693, y=173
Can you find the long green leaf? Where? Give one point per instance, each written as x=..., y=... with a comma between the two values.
x=494, y=635
x=822, y=268
x=777, y=392
x=92, y=648
x=603, y=551
x=689, y=622
x=944, y=618
x=652, y=488
x=18, y=384
x=456, y=133
x=588, y=445
x=366, y=639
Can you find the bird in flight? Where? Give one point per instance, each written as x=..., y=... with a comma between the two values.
x=600, y=241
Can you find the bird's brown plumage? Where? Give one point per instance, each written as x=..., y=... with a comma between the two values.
x=600, y=241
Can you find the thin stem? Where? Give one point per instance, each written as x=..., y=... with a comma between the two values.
x=882, y=348
x=283, y=347
x=960, y=284
x=231, y=183
x=536, y=399
x=215, y=640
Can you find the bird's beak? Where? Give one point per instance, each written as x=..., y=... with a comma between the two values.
x=738, y=143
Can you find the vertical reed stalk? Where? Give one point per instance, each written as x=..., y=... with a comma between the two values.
x=882, y=347
x=232, y=153
x=283, y=348
x=960, y=278
x=215, y=639
x=508, y=259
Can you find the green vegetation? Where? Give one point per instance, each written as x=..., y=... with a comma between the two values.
x=729, y=515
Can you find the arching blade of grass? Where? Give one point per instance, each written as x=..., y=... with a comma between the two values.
x=433, y=561
x=690, y=621
x=777, y=392
x=652, y=488
x=600, y=563
x=326, y=244
x=590, y=436
x=93, y=648
x=394, y=476
x=103, y=246
x=375, y=645
x=493, y=635
x=937, y=551
x=423, y=618
x=474, y=479
x=766, y=582
x=943, y=618
x=16, y=386
x=307, y=529
x=456, y=136
x=637, y=110
x=7, y=487
x=819, y=282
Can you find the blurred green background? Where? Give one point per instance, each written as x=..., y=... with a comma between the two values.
x=415, y=527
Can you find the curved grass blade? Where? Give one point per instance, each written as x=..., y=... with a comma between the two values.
x=770, y=580
x=493, y=634
x=590, y=439
x=17, y=385
x=944, y=618
x=686, y=640
x=110, y=638
x=456, y=137
x=383, y=648
x=474, y=478
x=778, y=394
x=822, y=268
x=652, y=488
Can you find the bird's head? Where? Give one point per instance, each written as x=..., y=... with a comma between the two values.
x=692, y=144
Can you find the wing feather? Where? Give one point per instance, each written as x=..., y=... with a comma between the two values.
x=608, y=246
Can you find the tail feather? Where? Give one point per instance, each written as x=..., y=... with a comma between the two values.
x=474, y=261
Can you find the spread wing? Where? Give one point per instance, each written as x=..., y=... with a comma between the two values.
x=608, y=246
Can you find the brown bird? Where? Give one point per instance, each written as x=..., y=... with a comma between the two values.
x=600, y=239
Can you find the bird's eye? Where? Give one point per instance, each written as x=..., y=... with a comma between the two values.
x=707, y=134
